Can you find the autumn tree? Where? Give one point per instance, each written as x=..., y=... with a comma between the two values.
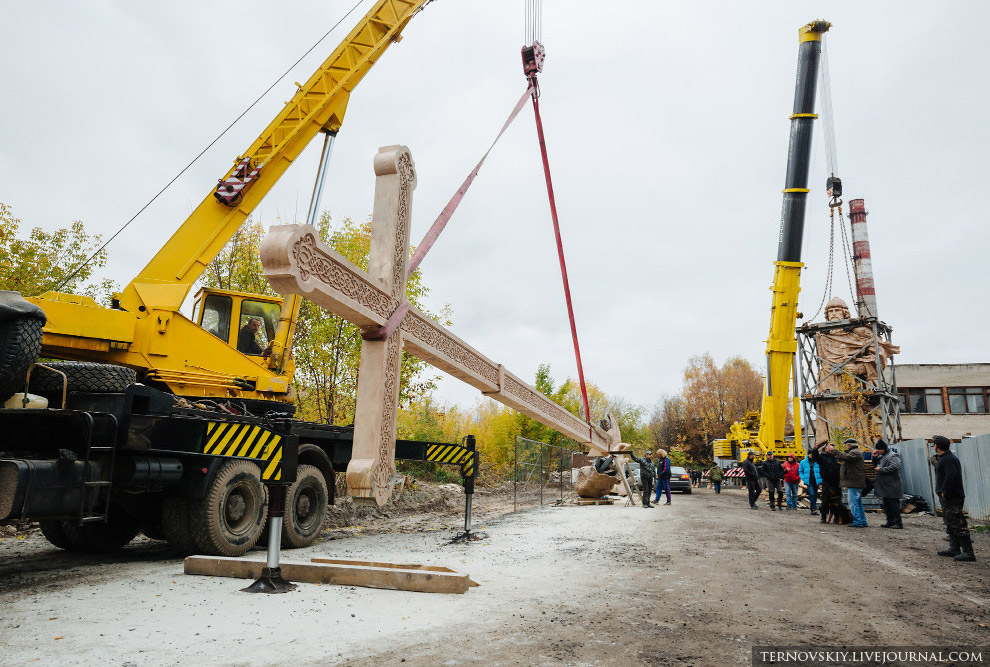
x=711, y=399
x=43, y=261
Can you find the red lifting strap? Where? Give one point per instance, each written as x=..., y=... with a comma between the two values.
x=560, y=254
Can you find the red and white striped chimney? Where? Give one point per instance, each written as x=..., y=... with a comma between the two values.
x=866, y=298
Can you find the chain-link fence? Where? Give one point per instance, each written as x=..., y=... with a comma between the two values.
x=542, y=473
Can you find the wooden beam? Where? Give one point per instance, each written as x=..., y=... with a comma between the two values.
x=420, y=580
x=394, y=566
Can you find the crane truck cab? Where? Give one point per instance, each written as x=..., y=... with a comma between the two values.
x=229, y=315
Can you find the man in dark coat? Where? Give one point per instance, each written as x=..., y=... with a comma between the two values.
x=831, y=492
x=949, y=487
x=752, y=480
x=247, y=337
x=852, y=477
x=887, y=487
x=647, y=475
x=774, y=472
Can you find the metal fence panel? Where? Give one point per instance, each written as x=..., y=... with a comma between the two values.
x=918, y=477
x=974, y=454
x=542, y=473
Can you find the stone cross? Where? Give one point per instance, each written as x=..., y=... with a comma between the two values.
x=296, y=261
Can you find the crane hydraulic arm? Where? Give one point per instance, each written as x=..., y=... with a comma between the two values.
x=781, y=344
x=145, y=330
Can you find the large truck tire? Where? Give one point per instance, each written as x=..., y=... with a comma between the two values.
x=91, y=537
x=176, y=526
x=84, y=376
x=305, y=508
x=54, y=532
x=20, y=346
x=230, y=518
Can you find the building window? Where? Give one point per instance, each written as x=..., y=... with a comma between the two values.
x=963, y=400
x=921, y=401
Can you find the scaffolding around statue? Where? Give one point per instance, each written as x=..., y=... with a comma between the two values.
x=853, y=393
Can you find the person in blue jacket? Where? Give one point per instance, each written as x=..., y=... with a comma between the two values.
x=811, y=475
x=663, y=476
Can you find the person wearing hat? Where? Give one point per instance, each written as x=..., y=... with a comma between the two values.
x=887, y=487
x=647, y=473
x=852, y=477
x=949, y=487
x=752, y=479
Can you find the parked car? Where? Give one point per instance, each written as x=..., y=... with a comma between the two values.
x=680, y=480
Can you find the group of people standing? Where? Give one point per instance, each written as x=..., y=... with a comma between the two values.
x=831, y=470
x=654, y=475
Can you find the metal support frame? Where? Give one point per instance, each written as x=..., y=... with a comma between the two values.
x=882, y=398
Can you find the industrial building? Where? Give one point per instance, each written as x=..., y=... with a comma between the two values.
x=947, y=399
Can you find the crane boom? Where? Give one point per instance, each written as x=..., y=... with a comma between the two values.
x=317, y=105
x=768, y=432
x=781, y=344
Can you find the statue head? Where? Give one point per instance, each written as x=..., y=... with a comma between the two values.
x=836, y=309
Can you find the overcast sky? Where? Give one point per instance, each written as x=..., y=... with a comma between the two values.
x=666, y=123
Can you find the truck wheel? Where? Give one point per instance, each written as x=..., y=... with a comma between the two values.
x=82, y=376
x=229, y=519
x=175, y=525
x=91, y=537
x=20, y=345
x=305, y=508
x=54, y=532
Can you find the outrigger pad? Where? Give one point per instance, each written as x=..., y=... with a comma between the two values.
x=14, y=306
x=270, y=581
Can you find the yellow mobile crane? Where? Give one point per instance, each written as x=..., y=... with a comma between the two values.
x=781, y=344
x=172, y=425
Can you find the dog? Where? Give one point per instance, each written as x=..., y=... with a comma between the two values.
x=833, y=511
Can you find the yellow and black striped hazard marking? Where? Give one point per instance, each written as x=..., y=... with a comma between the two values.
x=452, y=454
x=246, y=441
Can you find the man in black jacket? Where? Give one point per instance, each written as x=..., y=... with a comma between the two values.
x=774, y=472
x=949, y=487
x=647, y=475
x=831, y=503
x=752, y=480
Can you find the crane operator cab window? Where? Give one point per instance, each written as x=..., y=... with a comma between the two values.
x=257, y=323
x=216, y=315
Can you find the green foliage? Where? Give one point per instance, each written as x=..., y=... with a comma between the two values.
x=40, y=262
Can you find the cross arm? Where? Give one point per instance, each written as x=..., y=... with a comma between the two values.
x=297, y=262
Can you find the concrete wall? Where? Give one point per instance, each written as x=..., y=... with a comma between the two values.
x=943, y=375
x=952, y=427
x=918, y=477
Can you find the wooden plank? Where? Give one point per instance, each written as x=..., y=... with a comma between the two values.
x=422, y=581
x=394, y=566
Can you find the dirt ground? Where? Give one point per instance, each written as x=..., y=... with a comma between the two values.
x=698, y=582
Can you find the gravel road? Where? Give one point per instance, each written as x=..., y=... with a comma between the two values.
x=698, y=582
